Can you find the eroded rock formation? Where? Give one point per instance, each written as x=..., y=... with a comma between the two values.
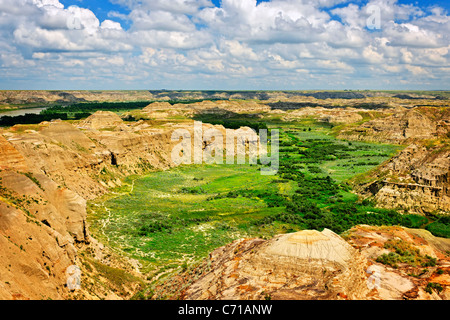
x=300, y=266
x=321, y=265
x=47, y=172
x=402, y=126
x=416, y=181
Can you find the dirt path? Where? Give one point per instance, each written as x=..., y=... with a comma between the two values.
x=107, y=220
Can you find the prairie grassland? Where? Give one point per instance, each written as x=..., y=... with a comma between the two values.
x=177, y=217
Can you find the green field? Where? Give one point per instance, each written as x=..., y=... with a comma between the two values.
x=174, y=218
x=171, y=217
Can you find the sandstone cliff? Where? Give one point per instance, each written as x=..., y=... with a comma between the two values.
x=333, y=116
x=415, y=181
x=19, y=97
x=222, y=108
x=403, y=126
x=47, y=172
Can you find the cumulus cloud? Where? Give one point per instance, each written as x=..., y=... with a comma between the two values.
x=290, y=43
x=160, y=20
x=278, y=21
x=174, y=6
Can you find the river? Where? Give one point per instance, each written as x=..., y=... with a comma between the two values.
x=21, y=112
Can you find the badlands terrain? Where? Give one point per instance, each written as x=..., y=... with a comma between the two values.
x=76, y=193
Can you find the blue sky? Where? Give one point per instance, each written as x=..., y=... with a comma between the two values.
x=228, y=44
x=102, y=7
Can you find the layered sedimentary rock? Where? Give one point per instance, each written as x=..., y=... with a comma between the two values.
x=41, y=96
x=332, y=116
x=322, y=265
x=46, y=175
x=402, y=127
x=406, y=280
x=40, y=225
x=222, y=108
x=303, y=265
x=15, y=97
x=416, y=181
x=101, y=120
x=11, y=158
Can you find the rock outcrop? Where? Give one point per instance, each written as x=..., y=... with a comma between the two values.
x=221, y=108
x=101, y=120
x=11, y=158
x=333, y=116
x=402, y=127
x=408, y=280
x=17, y=97
x=311, y=265
x=46, y=175
x=417, y=180
x=299, y=266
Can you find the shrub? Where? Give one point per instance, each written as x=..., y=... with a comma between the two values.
x=441, y=227
x=404, y=253
x=433, y=286
x=154, y=226
x=390, y=259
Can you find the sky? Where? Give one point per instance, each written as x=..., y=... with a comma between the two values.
x=224, y=44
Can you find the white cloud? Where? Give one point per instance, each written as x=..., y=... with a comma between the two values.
x=351, y=15
x=49, y=3
x=188, y=42
x=416, y=70
x=410, y=35
x=278, y=21
x=372, y=56
x=170, y=39
x=112, y=25
x=238, y=50
x=160, y=20
x=174, y=6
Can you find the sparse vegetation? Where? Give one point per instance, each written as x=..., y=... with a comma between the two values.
x=30, y=176
x=433, y=286
x=118, y=277
x=403, y=252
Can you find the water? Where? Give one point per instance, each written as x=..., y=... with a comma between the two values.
x=21, y=112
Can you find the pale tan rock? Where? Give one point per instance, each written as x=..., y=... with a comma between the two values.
x=303, y=265
x=417, y=180
x=400, y=127
x=101, y=120
x=11, y=158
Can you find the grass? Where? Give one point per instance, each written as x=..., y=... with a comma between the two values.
x=177, y=217
x=162, y=222
x=439, y=229
x=118, y=277
x=343, y=160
